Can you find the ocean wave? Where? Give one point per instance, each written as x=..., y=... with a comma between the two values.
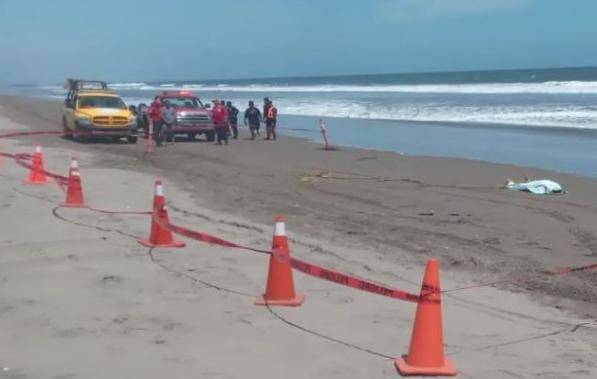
x=133, y=85
x=542, y=115
x=570, y=87
x=553, y=87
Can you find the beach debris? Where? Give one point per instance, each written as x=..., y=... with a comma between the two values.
x=537, y=187
x=429, y=213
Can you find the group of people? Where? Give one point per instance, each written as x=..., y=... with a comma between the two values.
x=224, y=117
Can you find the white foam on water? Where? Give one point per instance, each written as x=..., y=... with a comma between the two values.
x=568, y=87
x=565, y=116
x=558, y=112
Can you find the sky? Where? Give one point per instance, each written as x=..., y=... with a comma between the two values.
x=45, y=41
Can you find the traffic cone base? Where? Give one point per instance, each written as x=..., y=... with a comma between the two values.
x=35, y=182
x=297, y=301
x=67, y=205
x=174, y=243
x=406, y=370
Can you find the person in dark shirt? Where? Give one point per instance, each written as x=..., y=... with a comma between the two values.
x=233, y=118
x=253, y=118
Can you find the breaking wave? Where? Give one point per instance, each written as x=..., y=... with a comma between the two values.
x=563, y=87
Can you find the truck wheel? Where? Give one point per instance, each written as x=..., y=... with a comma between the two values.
x=78, y=137
x=67, y=133
x=191, y=136
x=131, y=139
x=210, y=136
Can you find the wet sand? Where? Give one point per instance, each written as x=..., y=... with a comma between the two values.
x=376, y=214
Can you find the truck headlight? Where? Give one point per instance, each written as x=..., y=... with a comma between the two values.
x=84, y=121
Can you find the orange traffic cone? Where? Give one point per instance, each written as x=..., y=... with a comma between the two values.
x=280, y=284
x=37, y=173
x=160, y=236
x=74, y=191
x=426, y=354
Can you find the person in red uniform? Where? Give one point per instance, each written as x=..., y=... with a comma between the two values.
x=220, y=119
x=155, y=115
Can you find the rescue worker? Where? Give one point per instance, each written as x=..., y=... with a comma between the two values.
x=253, y=117
x=142, y=122
x=266, y=103
x=223, y=102
x=270, y=121
x=155, y=116
x=169, y=119
x=220, y=119
x=232, y=118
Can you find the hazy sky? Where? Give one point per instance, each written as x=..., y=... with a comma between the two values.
x=44, y=41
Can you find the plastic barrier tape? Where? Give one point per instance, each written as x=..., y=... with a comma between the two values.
x=297, y=264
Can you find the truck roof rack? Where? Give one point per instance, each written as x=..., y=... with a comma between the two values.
x=79, y=84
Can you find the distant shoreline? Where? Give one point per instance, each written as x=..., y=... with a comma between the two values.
x=563, y=150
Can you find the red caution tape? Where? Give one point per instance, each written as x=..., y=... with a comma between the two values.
x=352, y=281
x=568, y=270
x=302, y=266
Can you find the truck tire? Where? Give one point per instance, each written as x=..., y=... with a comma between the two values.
x=210, y=136
x=67, y=133
x=78, y=137
x=191, y=136
x=131, y=139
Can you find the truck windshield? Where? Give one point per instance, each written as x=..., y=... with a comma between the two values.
x=101, y=102
x=183, y=102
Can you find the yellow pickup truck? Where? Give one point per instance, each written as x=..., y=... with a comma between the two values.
x=92, y=110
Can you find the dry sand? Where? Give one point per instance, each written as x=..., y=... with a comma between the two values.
x=78, y=301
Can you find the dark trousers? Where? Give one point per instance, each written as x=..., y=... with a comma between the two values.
x=234, y=127
x=254, y=130
x=270, y=128
x=222, y=132
x=158, y=133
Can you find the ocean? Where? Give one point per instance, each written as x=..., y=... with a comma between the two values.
x=543, y=118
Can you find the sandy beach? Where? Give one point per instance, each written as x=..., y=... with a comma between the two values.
x=80, y=298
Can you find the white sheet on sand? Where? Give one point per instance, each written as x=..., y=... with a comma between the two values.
x=538, y=187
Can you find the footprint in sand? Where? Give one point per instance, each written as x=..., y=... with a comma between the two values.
x=112, y=279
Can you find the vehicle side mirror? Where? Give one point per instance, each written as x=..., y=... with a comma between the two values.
x=69, y=103
x=207, y=106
